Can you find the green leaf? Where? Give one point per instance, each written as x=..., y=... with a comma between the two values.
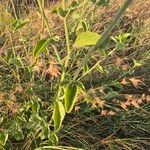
x=19, y=23
x=3, y=137
x=46, y=131
x=111, y=95
x=103, y=2
x=62, y=13
x=20, y=120
x=100, y=2
x=100, y=69
x=86, y=39
x=64, y=82
x=137, y=63
x=53, y=140
x=85, y=68
x=18, y=135
x=17, y=62
x=70, y=97
x=27, y=73
x=40, y=47
x=73, y=6
x=35, y=106
x=81, y=86
x=58, y=115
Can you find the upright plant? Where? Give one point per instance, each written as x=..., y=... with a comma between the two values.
x=69, y=88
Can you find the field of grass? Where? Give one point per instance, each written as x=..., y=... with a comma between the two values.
x=75, y=75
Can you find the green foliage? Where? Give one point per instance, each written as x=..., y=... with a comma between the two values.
x=3, y=137
x=19, y=23
x=121, y=40
x=18, y=135
x=100, y=2
x=62, y=13
x=17, y=62
x=86, y=39
x=53, y=139
x=44, y=89
x=40, y=47
x=58, y=115
x=70, y=96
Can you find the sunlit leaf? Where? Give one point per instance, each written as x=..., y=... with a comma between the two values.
x=86, y=39
x=137, y=63
x=58, y=115
x=70, y=97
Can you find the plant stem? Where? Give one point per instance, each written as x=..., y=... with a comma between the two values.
x=68, y=52
x=103, y=38
x=92, y=68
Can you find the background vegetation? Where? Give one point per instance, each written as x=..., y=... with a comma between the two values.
x=42, y=46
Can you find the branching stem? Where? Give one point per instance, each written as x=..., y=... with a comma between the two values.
x=103, y=38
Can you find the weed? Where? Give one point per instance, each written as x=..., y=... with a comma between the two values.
x=71, y=79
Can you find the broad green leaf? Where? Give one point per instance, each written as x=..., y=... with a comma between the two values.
x=3, y=137
x=86, y=39
x=40, y=47
x=58, y=115
x=17, y=62
x=19, y=23
x=70, y=97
